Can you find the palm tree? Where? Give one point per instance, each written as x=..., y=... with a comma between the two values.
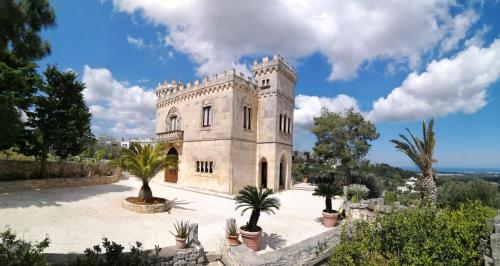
x=328, y=191
x=249, y=198
x=421, y=152
x=145, y=162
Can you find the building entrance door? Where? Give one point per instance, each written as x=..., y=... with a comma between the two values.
x=172, y=172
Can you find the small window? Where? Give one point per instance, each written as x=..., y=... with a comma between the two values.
x=263, y=82
x=245, y=117
x=204, y=166
x=284, y=123
x=281, y=122
x=207, y=113
x=249, y=117
x=267, y=82
x=289, y=125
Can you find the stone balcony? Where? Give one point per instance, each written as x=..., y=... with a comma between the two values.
x=170, y=136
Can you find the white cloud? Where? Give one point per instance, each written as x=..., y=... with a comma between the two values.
x=218, y=34
x=449, y=85
x=309, y=107
x=127, y=111
x=478, y=38
x=137, y=42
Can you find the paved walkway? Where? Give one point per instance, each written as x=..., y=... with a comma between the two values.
x=77, y=218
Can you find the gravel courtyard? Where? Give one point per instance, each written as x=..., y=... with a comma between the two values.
x=77, y=218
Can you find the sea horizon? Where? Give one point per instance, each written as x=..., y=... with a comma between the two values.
x=458, y=169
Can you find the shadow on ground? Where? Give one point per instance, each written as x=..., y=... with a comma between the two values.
x=272, y=240
x=56, y=196
x=178, y=204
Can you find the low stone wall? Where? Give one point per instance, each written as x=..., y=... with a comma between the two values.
x=492, y=256
x=12, y=186
x=153, y=208
x=366, y=209
x=306, y=252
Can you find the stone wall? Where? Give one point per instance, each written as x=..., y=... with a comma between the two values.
x=492, y=254
x=23, y=170
x=306, y=252
x=11, y=186
x=366, y=209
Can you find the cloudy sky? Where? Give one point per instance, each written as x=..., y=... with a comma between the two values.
x=397, y=62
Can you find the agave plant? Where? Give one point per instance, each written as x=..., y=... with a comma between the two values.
x=232, y=230
x=328, y=190
x=182, y=228
x=257, y=200
x=421, y=152
x=144, y=162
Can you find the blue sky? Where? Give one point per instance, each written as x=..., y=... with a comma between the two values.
x=427, y=58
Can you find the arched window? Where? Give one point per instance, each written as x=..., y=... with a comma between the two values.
x=289, y=125
x=281, y=122
x=284, y=123
x=206, y=114
x=173, y=123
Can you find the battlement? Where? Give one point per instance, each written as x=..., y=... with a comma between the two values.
x=268, y=62
x=174, y=88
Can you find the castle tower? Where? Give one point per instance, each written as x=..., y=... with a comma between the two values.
x=276, y=81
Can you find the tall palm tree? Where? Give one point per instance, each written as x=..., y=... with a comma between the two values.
x=328, y=191
x=145, y=162
x=421, y=152
x=249, y=198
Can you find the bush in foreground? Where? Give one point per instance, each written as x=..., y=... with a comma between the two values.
x=15, y=251
x=417, y=236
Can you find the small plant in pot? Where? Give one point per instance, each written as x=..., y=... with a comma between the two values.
x=256, y=200
x=232, y=235
x=328, y=191
x=182, y=229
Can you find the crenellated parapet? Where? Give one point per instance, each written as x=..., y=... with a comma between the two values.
x=276, y=63
x=169, y=90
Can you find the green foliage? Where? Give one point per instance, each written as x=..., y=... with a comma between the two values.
x=343, y=136
x=114, y=256
x=60, y=120
x=21, y=22
x=232, y=230
x=454, y=193
x=15, y=251
x=182, y=229
x=417, y=236
x=328, y=191
x=357, y=190
x=256, y=200
x=421, y=152
x=144, y=162
x=371, y=181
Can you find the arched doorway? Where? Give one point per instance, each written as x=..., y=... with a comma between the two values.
x=282, y=174
x=172, y=172
x=263, y=173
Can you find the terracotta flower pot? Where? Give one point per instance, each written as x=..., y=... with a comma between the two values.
x=233, y=240
x=180, y=243
x=251, y=239
x=330, y=219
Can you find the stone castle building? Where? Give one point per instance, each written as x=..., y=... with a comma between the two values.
x=228, y=130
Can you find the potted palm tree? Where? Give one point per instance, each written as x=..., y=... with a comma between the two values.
x=232, y=235
x=144, y=162
x=182, y=229
x=421, y=152
x=328, y=191
x=256, y=200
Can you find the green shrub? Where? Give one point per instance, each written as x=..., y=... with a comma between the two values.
x=454, y=193
x=373, y=183
x=114, y=255
x=358, y=191
x=417, y=236
x=390, y=197
x=15, y=251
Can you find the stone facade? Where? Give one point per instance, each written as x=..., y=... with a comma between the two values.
x=228, y=130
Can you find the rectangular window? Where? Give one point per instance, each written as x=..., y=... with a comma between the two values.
x=245, y=117
x=204, y=166
x=207, y=113
x=249, y=116
x=289, y=125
